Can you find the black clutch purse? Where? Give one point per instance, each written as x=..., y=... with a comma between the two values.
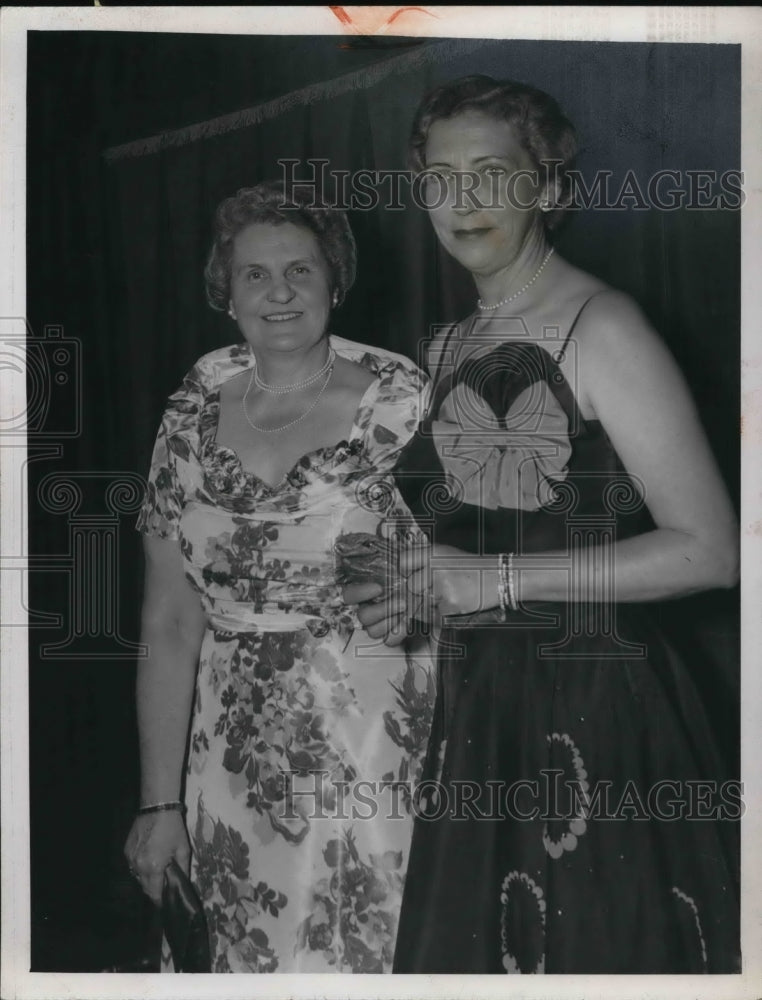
x=184, y=922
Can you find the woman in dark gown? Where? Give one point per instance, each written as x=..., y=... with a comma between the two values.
x=575, y=819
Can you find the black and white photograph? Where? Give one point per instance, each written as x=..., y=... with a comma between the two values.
x=381, y=515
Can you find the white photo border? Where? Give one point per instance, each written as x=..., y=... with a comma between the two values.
x=735, y=25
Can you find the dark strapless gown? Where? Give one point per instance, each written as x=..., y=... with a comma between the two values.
x=579, y=822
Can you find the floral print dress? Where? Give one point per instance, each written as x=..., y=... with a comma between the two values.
x=306, y=736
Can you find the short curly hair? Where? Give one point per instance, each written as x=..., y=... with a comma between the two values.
x=540, y=125
x=268, y=203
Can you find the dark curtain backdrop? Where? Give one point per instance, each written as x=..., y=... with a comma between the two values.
x=116, y=249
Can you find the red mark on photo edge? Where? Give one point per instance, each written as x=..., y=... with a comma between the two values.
x=402, y=10
x=346, y=19
x=341, y=14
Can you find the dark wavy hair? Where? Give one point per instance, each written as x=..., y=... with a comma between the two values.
x=539, y=123
x=267, y=203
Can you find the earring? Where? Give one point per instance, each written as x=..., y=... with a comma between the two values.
x=545, y=205
x=335, y=299
x=231, y=311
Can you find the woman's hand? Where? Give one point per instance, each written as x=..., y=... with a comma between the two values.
x=436, y=584
x=383, y=616
x=463, y=584
x=389, y=614
x=153, y=841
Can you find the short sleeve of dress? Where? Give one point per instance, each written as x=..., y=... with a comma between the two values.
x=163, y=500
x=173, y=452
x=391, y=416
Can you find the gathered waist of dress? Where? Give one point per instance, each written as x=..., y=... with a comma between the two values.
x=275, y=616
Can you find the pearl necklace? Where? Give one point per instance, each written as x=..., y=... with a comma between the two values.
x=282, y=389
x=521, y=291
x=291, y=423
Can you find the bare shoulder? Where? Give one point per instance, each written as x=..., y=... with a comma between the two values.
x=612, y=325
x=622, y=357
x=350, y=376
x=233, y=389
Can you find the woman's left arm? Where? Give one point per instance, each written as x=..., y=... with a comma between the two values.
x=640, y=397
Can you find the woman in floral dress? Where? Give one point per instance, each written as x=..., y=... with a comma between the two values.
x=304, y=736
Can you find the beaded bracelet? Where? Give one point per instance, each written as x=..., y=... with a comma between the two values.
x=514, y=604
x=502, y=586
x=506, y=584
x=157, y=807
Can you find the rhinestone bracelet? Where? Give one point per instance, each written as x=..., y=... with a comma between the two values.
x=506, y=584
x=157, y=807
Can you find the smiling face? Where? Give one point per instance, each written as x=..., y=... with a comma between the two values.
x=280, y=287
x=478, y=219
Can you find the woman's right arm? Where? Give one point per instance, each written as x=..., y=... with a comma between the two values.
x=172, y=627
